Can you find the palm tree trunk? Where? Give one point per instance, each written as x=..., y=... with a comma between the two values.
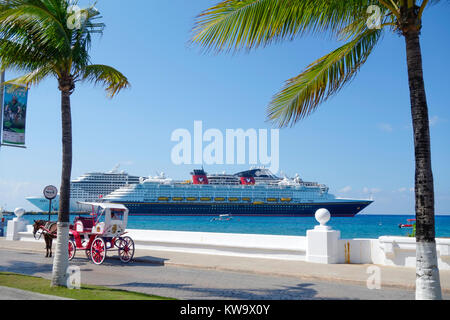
x=427, y=273
x=61, y=262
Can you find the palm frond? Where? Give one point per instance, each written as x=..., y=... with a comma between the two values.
x=113, y=80
x=31, y=20
x=323, y=78
x=20, y=56
x=82, y=37
x=235, y=24
x=33, y=78
x=42, y=26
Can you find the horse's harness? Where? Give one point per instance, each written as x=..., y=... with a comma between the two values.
x=45, y=229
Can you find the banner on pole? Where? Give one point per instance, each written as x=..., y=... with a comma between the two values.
x=14, y=115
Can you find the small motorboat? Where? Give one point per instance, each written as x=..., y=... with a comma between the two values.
x=222, y=217
x=408, y=225
x=411, y=224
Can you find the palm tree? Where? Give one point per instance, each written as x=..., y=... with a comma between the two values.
x=44, y=38
x=247, y=24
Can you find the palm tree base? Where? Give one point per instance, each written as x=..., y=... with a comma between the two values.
x=61, y=260
x=428, y=286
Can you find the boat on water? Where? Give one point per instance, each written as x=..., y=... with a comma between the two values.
x=89, y=187
x=410, y=224
x=222, y=217
x=255, y=192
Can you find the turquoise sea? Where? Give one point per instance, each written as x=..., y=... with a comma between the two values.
x=360, y=226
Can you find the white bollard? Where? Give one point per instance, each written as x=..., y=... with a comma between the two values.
x=16, y=225
x=323, y=241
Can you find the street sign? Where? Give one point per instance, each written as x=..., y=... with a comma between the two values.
x=50, y=192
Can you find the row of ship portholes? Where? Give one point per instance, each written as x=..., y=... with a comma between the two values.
x=222, y=199
x=219, y=208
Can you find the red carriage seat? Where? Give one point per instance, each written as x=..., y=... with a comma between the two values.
x=88, y=223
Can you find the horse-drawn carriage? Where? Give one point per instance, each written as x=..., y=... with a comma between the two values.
x=103, y=231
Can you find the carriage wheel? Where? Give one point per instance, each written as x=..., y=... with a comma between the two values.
x=72, y=250
x=98, y=251
x=126, y=249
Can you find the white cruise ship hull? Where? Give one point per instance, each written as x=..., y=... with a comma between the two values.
x=43, y=204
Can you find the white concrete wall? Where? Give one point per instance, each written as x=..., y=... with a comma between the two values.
x=387, y=250
x=359, y=251
x=401, y=251
x=248, y=245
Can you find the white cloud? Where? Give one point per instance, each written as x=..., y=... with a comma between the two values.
x=385, y=127
x=434, y=120
x=13, y=193
x=345, y=189
x=371, y=190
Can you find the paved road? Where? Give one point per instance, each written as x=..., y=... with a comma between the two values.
x=195, y=283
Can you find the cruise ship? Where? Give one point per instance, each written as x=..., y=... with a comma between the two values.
x=255, y=192
x=88, y=188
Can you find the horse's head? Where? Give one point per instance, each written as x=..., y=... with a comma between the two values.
x=37, y=225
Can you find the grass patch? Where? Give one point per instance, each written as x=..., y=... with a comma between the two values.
x=86, y=292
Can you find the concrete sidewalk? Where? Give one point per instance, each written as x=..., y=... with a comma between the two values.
x=7, y=293
x=398, y=277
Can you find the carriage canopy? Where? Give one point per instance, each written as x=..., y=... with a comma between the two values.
x=112, y=216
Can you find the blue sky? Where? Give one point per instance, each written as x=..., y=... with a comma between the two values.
x=359, y=142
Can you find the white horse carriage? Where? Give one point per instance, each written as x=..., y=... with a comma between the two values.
x=103, y=231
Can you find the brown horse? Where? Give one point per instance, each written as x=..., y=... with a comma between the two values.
x=49, y=229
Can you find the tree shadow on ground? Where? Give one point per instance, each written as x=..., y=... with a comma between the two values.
x=299, y=291
x=27, y=267
x=114, y=261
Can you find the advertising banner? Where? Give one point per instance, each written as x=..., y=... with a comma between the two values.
x=14, y=115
